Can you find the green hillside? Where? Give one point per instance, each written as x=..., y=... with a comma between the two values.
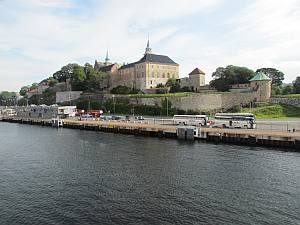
x=275, y=111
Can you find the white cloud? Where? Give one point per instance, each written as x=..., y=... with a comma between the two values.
x=37, y=37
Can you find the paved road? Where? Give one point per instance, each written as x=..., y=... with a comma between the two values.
x=262, y=124
x=282, y=124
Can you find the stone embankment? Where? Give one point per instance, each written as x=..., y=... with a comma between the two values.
x=262, y=138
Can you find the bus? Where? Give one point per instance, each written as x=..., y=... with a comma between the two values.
x=190, y=120
x=235, y=120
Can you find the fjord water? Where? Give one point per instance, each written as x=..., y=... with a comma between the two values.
x=62, y=176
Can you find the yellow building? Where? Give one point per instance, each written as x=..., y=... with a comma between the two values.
x=148, y=72
x=194, y=81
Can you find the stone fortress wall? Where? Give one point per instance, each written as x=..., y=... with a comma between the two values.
x=196, y=102
x=288, y=101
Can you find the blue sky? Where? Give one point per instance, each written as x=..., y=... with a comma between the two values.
x=37, y=37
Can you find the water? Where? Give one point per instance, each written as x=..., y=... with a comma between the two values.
x=61, y=176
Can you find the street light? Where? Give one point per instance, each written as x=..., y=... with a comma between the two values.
x=114, y=104
x=167, y=107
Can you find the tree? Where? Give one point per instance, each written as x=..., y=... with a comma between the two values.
x=120, y=90
x=24, y=90
x=95, y=80
x=78, y=78
x=34, y=86
x=174, y=85
x=7, y=98
x=5, y=95
x=287, y=90
x=66, y=72
x=276, y=75
x=276, y=90
x=296, y=85
x=224, y=77
x=52, y=82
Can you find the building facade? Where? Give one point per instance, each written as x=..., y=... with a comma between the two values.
x=147, y=73
x=194, y=81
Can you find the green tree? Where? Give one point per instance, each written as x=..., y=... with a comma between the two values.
x=24, y=90
x=78, y=78
x=287, y=90
x=7, y=98
x=276, y=90
x=52, y=81
x=276, y=75
x=66, y=72
x=174, y=85
x=33, y=86
x=160, y=85
x=296, y=85
x=121, y=90
x=95, y=80
x=224, y=77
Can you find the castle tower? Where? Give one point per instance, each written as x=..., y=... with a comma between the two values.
x=106, y=59
x=148, y=50
x=197, y=79
x=262, y=84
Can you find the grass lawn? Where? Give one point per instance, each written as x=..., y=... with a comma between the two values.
x=275, y=111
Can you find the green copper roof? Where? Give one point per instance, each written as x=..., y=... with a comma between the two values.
x=260, y=76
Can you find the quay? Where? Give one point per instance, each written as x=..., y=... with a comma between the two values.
x=251, y=137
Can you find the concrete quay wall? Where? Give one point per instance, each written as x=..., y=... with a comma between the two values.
x=217, y=135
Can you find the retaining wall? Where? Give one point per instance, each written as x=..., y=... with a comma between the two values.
x=287, y=101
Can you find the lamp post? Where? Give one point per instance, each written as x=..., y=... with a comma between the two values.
x=167, y=107
x=114, y=104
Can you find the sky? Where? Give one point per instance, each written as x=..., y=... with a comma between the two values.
x=38, y=37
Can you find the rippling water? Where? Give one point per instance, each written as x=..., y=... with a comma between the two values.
x=61, y=176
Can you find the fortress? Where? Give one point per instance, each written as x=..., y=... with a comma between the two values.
x=153, y=69
x=145, y=74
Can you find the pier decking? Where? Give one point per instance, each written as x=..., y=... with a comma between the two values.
x=217, y=135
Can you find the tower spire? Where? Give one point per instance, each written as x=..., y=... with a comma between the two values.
x=148, y=50
x=106, y=58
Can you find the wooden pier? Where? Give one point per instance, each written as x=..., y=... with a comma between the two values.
x=252, y=137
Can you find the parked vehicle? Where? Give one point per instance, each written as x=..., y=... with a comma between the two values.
x=190, y=120
x=235, y=120
x=86, y=117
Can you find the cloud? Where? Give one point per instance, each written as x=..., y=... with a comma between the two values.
x=37, y=37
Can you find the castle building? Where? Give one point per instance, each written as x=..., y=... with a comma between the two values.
x=148, y=72
x=194, y=81
x=262, y=84
x=107, y=67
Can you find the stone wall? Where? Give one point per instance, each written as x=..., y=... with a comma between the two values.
x=67, y=96
x=287, y=101
x=197, y=102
